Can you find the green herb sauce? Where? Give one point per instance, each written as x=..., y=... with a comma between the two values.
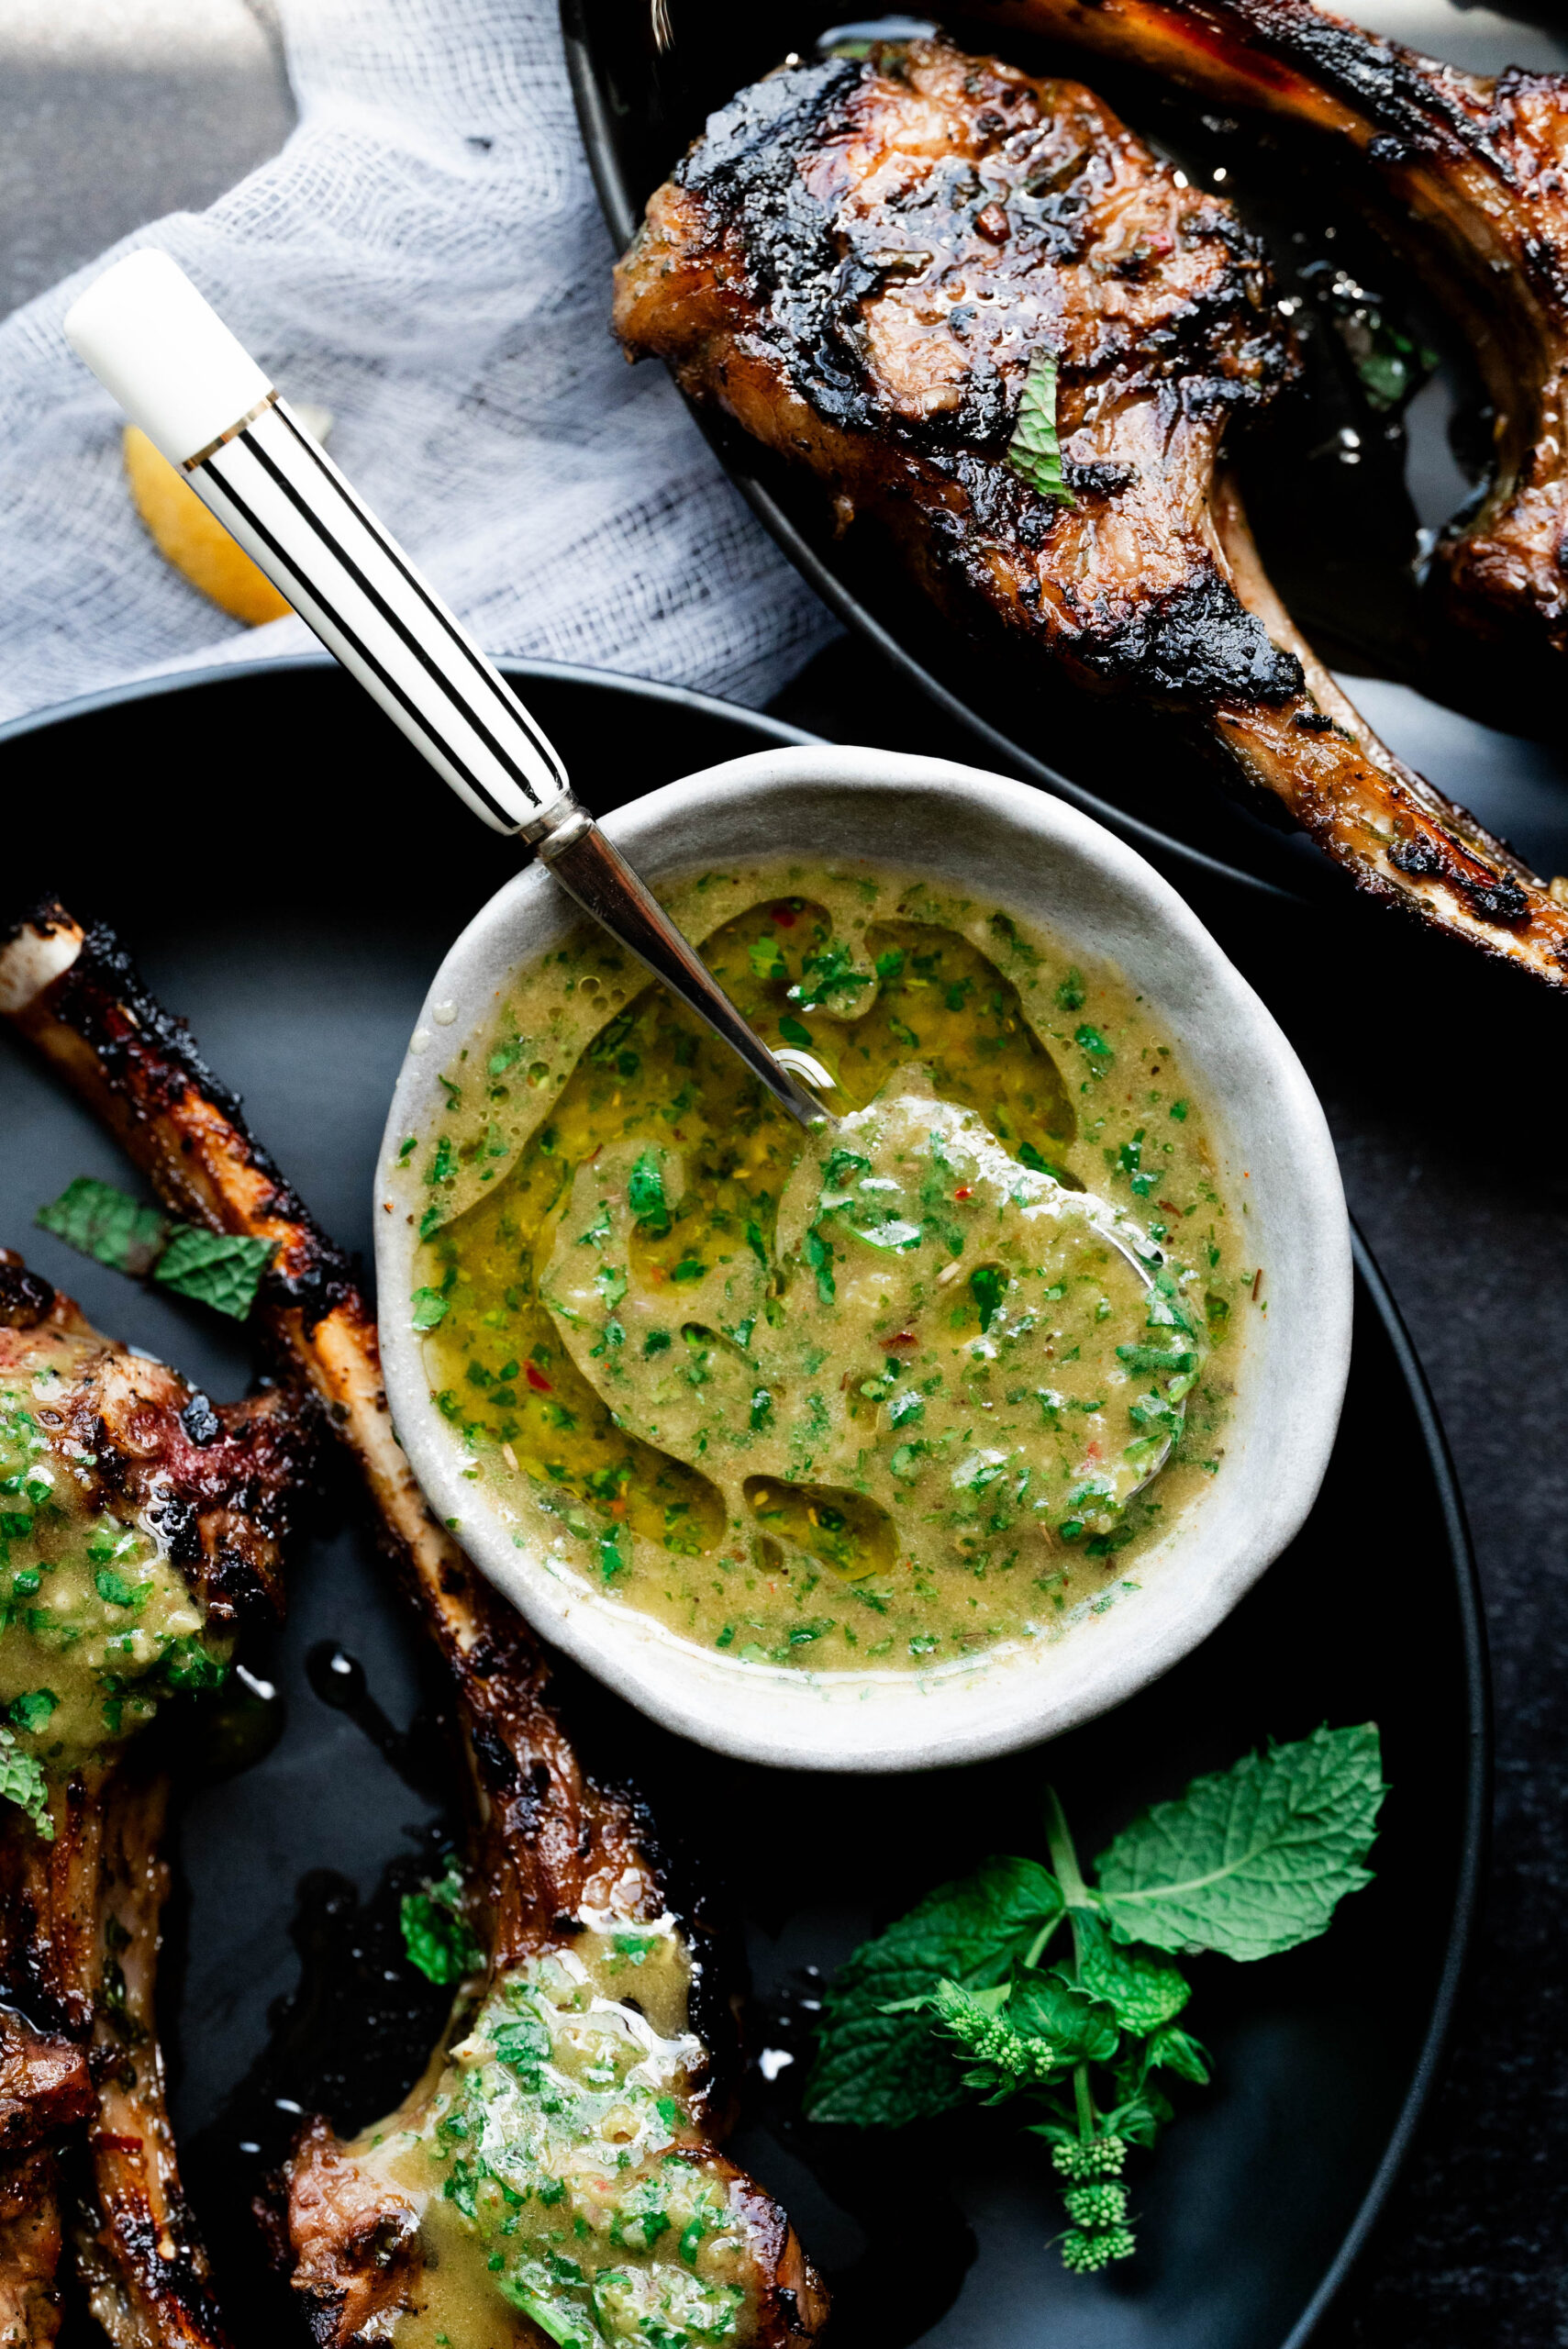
x=97, y=1624
x=888, y=1398
x=555, y=2165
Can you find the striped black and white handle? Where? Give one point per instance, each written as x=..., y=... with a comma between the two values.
x=178, y=373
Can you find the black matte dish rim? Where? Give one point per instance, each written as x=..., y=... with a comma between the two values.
x=773, y=732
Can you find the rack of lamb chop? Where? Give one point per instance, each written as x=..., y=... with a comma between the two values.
x=981, y=310
x=139, y=1524
x=556, y=2171
x=1468, y=176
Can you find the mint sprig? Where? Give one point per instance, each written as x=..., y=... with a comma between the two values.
x=874, y=2067
x=979, y=1994
x=219, y=1269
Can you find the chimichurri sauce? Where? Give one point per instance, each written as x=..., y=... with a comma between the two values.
x=556, y=2168
x=885, y=1397
x=96, y=1622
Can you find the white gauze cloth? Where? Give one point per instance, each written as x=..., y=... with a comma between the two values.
x=425, y=259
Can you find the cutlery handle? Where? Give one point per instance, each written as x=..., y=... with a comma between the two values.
x=176, y=370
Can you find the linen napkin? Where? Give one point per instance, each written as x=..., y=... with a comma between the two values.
x=424, y=259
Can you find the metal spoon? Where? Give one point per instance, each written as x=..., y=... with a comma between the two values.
x=178, y=373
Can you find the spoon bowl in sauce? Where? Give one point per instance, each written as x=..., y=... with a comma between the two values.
x=928, y=1432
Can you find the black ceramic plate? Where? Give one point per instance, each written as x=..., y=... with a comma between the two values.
x=1340, y=491
x=300, y=950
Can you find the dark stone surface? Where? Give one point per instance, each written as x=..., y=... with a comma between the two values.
x=1443, y=1083
x=1443, y=1080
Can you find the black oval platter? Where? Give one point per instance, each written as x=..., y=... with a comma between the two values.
x=299, y=943
x=1339, y=492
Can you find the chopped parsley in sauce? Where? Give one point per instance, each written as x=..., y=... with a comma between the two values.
x=887, y=1397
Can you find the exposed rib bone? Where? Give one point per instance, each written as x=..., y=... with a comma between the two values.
x=551, y=1841
x=1470, y=179
x=860, y=262
x=79, y=1910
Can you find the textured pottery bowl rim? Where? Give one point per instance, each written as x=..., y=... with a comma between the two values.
x=1041, y=860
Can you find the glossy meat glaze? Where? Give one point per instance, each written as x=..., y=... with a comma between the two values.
x=552, y=1842
x=859, y=262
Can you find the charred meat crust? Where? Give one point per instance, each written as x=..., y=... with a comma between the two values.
x=78, y=1961
x=31, y=2241
x=556, y=1838
x=349, y=2241
x=138, y=2247
x=859, y=262
x=219, y=1483
x=1026, y=205
x=25, y=1299
x=551, y=1838
x=1467, y=175
x=78, y=1913
x=146, y=1063
x=45, y=2084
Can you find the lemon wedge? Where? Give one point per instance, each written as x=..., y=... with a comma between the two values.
x=194, y=541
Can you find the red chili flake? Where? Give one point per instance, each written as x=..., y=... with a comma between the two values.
x=993, y=225
x=784, y=915
x=963, y=1192
x=537, y=1380
x=905, y=1337
x=1169, y=1204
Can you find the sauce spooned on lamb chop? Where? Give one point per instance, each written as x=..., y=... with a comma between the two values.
x=138, y=1523
x=867, y=261
x=583, y=2081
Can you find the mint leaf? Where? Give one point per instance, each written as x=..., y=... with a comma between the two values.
x=1079, y=2026
x=1142, y=1994
x=217, y=1268
x=1035, y=450
x=108, y=1225
x=1254, y=1859
x=22, y=1781
x=436, y=1935
x=878, y=2069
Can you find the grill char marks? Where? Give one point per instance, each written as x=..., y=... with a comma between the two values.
x=80, y=1933
x=891, y=242
x=549, y=1836
x=1470, y=176
x=859, y=262
x=138, y=1062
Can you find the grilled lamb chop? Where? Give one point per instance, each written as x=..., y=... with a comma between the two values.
x=565, y=1891
x=860, y=262
x=138, y=1522
x=1468, y=176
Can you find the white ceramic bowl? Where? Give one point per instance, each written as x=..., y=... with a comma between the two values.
x=1041, y=860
